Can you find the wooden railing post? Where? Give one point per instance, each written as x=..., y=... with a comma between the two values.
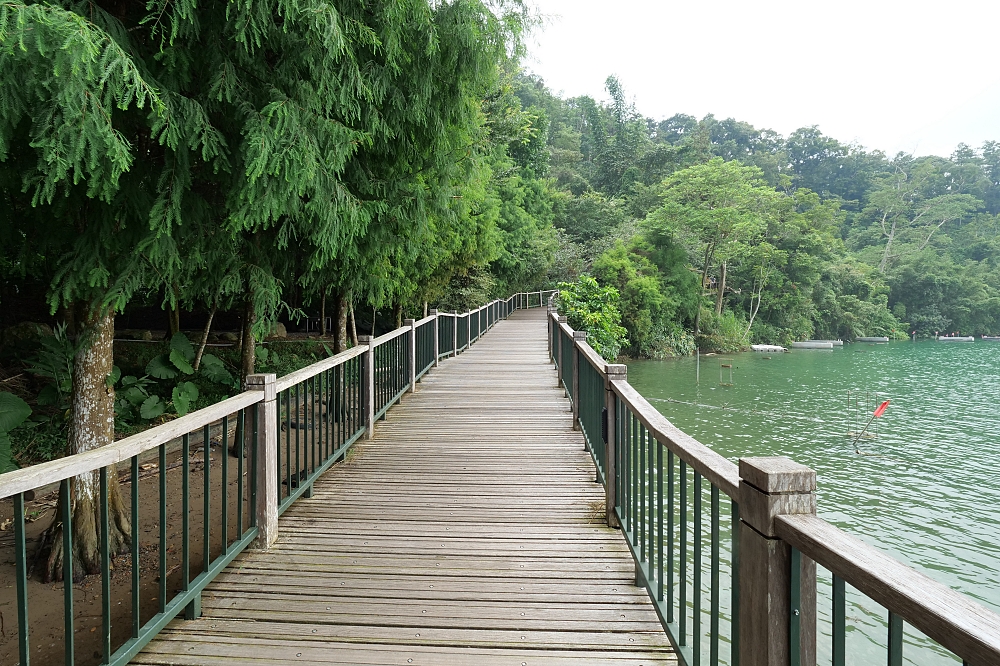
x=412, y=352
x=578, y=336
x=468, y=328
x=770, y=487
x=437, y=334
x=368, y=384
x=613, y=373
x=454, y=335
x=266, y=460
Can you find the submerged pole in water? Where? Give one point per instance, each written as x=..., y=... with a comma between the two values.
x=697, y=366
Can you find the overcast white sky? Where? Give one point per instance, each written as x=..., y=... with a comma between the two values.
x=914, y=76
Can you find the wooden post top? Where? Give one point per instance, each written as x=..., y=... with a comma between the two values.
x=774, y=486
x=364, y=339
x=433, y=311
x=777, y=475
x=616, y=371
x=579, y=335
x=409, y=322
x=563, y=319
x=263, y=382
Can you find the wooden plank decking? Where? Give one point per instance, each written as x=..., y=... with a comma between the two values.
x=469, y=531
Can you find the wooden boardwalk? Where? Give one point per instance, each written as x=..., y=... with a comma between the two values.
x=469, y=531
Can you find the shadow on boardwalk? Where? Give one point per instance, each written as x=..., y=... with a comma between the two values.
x=469, y=531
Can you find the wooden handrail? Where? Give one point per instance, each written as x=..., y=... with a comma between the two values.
x=36, y=476
x=711, y=465
x=952, y=619
x=293, y=378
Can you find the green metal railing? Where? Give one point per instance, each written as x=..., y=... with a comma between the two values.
x=425, y=358
x=676, y=503
x=319, y=419
x=446, y=335
x=461, y=321
x=662, y=507
x=566, y=352
x=392, y=369
x=219, y=527
x=591, y=385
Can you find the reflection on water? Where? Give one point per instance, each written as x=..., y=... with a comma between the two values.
x=927, y=490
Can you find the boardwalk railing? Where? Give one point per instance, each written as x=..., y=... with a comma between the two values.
x=284, y=433
x=754, y=602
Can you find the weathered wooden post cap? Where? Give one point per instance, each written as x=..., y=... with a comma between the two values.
x=364, y=339
x=409, y=322
x=616, y=370
x=777, y=474
x=579, y=335
x=433, y=311
x=774, y=486
x=562, y=319
x=263, y=382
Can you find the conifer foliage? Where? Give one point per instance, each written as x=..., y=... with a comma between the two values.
x=223, y=154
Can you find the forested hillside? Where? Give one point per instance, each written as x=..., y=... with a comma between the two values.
x=792, y=237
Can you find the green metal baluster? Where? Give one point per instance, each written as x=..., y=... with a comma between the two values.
x=795, y=615
x=163, y=528
x=254, y=432
x=288, y=445
x=670, y=536
x=713, y=658
x=634, y=474
x=650, y=442
x=839, y=621
x=206, y=517
x=240, y=448
x=895, y=640
x=67, y=534
x=21, y=569
x=225, y=484
x=682, y=556
x=298, y=439
x=734, y=657
x=106, y=565
x=696, y=620
x=659, y=521
x=186, y=519
x=136, y=620
x=640, y=474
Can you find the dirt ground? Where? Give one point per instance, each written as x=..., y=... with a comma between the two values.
x=46, y=602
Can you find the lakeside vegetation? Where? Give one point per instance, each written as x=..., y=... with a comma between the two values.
x=720, y=234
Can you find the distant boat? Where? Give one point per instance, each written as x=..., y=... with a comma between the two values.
x=812, y=344
x=991, y=338
x=835, y=343
x=956, y=338
x=875, y=339
x=767, y=348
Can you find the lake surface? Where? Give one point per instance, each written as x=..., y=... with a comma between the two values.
x=926, y=489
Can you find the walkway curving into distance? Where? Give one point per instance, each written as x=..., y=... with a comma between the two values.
x=468, y=531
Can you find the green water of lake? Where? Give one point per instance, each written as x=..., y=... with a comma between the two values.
x=928, y=492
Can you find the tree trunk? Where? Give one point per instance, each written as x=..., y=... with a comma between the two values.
x=204, y=337
x=709, y=251
x=397, y=311
x=93, y=425
x=425, y=309
x=174, y=313
x=340, y=326
x=722, y=288
x=374, y=317
x=248, y=352
x=354, y=324
x=888, y=244
x=322, y=315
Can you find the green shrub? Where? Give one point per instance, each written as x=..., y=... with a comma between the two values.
x=590, y=307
